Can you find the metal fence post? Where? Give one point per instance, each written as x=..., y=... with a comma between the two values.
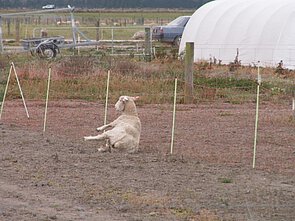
x=189, y=81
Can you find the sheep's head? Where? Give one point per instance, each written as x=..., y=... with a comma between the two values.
x=126, y=103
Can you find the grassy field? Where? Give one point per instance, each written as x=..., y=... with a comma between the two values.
x=156, y=15
x=84, y=77
x=132, y=20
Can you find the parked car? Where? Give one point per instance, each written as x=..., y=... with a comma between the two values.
x=48, y=7
x=172, y=32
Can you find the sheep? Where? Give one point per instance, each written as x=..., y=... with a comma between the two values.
x=138, y=35
x=126, y=129
x=67, y=22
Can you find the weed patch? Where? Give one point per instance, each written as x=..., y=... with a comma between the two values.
x=84, y=77
x=225, y=180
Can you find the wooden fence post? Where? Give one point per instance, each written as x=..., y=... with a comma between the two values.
x=97, y=30
x=148, y=45
x=8, y=26
x=1, y=36
x=293, y=102
x=189, y=81
x=17, y=30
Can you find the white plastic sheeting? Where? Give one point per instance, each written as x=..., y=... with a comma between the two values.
x=261, y=30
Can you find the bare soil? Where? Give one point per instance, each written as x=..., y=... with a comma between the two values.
x=57, y=176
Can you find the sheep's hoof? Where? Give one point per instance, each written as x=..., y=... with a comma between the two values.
x=102, y=150
x=133, y=151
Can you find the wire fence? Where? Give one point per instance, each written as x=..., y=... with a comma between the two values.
x=222, y=113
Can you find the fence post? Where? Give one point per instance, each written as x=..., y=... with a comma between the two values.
x=148, y=45
x=8, y=26
x=293, y=102
x=97, y=30
x=112, y=33
x=189, y=81
x=17, y=30
x=1, y=35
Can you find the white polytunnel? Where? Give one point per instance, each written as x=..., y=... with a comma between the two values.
x=256, y=30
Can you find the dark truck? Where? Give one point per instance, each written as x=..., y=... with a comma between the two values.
x=172, y=32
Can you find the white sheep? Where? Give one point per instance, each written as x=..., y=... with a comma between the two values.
x=126, y=128
x=138, y=35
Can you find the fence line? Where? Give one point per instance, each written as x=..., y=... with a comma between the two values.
x=176, y=95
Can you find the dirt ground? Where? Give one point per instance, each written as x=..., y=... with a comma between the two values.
x=57, y=176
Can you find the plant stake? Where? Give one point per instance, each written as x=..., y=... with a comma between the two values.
x=173, y=120
x=107, y=98
x=5, y=92
x=257, y=114
x=47, y=96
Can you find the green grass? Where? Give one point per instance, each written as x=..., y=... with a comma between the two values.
x=227, y=82
x=89, y=19
x=133, y=15
x=225, y=180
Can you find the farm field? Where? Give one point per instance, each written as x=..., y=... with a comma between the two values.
x=209, y=177
x=58, y=176
x=115, y=30
x=125, y=23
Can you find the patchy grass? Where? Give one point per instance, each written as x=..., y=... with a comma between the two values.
x=182, y=213
x=225, y=114
x=144, y=200
x=225, y=180
x=84, y=77
x=226, y=82
x=206, y=215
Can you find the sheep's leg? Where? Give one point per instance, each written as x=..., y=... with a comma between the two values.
x=133, y=151
x=102, y=128
x=112, y=124
x=108, y=147
x=98, y=137
x=101, y=137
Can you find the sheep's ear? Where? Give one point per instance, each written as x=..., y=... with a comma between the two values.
x=135, y=98
x=125, y=99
